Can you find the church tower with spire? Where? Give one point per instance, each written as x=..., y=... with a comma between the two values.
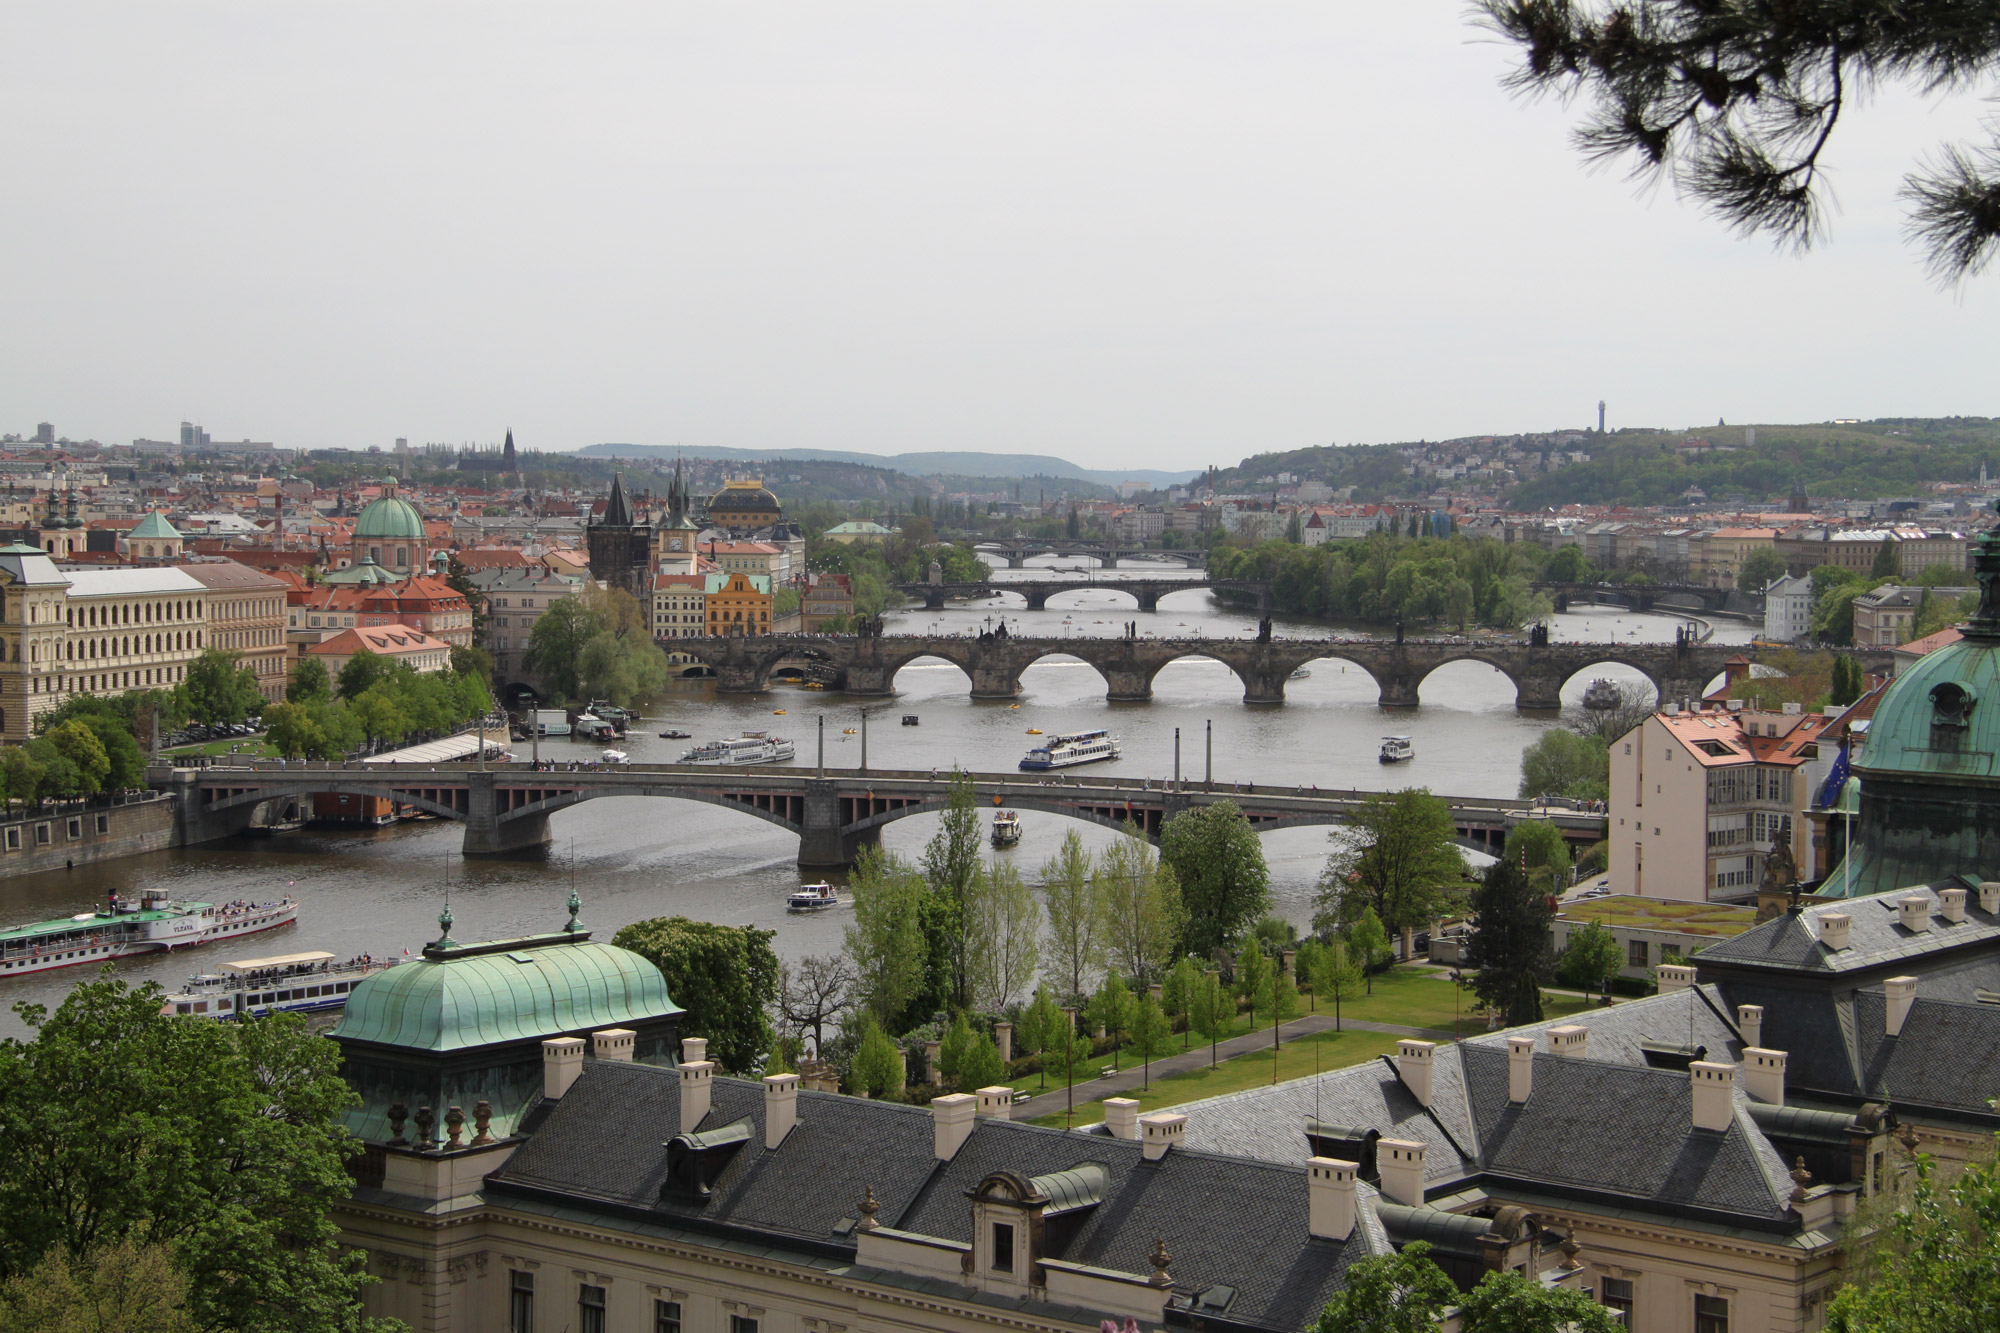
x=674, y=543
x=621, y=545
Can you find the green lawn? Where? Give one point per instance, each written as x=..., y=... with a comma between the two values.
x=1298, y=1058
x=254, y=747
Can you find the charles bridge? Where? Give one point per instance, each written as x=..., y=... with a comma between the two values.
x=1017, y=550
x=862, y=665
x=505, y=808
x=1146, y=592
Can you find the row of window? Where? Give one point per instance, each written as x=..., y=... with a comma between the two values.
x=1752, y=782
x=132, y=613
x=1711, y=1313
x=110, y=680
x=590, y=1310
x=74, y=829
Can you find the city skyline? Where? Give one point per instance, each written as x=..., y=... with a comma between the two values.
x=1137, y=236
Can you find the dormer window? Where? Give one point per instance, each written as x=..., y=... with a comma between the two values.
x=1952, y=705
x=1003, y=1247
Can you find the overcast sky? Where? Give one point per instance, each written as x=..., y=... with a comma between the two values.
x=1147, y=233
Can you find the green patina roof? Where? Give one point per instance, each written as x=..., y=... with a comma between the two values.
x=365, y=573
x=390, y=518
x=511, y=990
x=155, y=526
x=1903, y=736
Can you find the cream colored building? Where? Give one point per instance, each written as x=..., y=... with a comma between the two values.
x=1699, y=799
x=246, y=616
x=1717, y=557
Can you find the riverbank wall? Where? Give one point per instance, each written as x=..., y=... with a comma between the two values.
x=64, y=836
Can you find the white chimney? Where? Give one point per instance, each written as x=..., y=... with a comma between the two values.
x=952, y=1119
x=1413, y=1062
x=1520, y=1068
x=1401, y=1163
x=1914, y=911
x=693, y=1049
x=1121, y=1117
x=697, y=1086
x=1835, y=930
x=1989, y=897
x=613, y=1044
x=1750, y=1023
x=1714, y=1087
x=1329, y=1198
x=781, y=1107
x=562, y=1061
x=1003, y=1037
x=1901, y=993
x=1161, y=1132
x=1954, y=905
x=996, y=1102
x=1569, y=1039
x=1764, y=1075
x=1675, y=976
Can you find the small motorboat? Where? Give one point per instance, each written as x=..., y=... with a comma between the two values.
x=777, y=712
x=676, y=734
x=1302, y=673
x=813, y=897
x=1397, y=749
x=1602, y=694
x=847, y=731
x=1006, y=828
x=615, y=757
x=1034, y=731
x=909, y=719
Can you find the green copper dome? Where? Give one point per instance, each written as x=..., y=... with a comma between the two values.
x=154, y=525
x=460, y=997
x=1941, y=717
x=390, y=518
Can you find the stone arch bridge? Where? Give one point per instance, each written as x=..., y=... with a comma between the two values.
x=1017, y=550
x=506, y=808
x=1146, y=592
x=868, y=666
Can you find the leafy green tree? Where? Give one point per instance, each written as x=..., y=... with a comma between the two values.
x=1075, y=943
x=1885, y=560
x=556, y=644
x=1848, y=680
x=122, y=1126
x=885, y=940
x=78, y=746
x=1686, y=89
x=1150, y=1032
x=1404, y=1292
x=1336, y=976
x=1004, y=925
x=1068, y=1056
x=1933, y=1266
x=1177, y=993
x=1541, y=846
x=877, y=1070
x=1211, y=1012
x=1759, y=567
x=1568, y=565
x=1509, y=944
x=1219, y=865
x=1395, y=853
x=20, y=775
x=969, y=1058
x=1042, y=1025
x=125, y=761
x=1112, y=1009
x=1562, y=763
x=123, y=1288
x=360, y=673
x=1591, y=958
x=220, y=689
x=725, y=978
x=378, y=716
x=1276, y=1001
x=1510, y=1303
x=1252, y=968
x=1141, y=905
x=308, y=682
x=1368, y=941
x=952, y=870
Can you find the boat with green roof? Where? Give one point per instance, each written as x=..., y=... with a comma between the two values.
x=123, y=928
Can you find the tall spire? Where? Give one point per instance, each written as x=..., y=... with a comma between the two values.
x=617, y=511
x=507, y=454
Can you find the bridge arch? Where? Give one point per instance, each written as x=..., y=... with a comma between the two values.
x=1362, y=675
x=1456, y=681
x=542, y=809
x=384, y=791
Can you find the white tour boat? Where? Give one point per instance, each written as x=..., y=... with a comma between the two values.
x=1396, y=749
x=752, y=747
x=813, y=897
x=121, y=929
x=1006, y=828
x=292, y=983
x=1071, y=749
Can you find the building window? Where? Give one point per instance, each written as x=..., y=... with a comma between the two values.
x=744, y=1324
x=521, y=1304
x=1003, y=1247
x=589, y=1309
x=104, y=823
x=1635, y=953
x=41, y=835
x=1617, y=1296
x=1711, y=1314
x=75, y=829
x=666, y=1317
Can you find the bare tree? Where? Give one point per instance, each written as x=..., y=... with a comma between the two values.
x=1635, y=704
x=816, y=991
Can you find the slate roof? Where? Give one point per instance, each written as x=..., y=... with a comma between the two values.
x=1877, y=938
x=1946, y=1057
x=603, y=1143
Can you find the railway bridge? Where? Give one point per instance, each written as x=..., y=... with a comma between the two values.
x=1106, y=553
x=1146, y=592
x=835, y=813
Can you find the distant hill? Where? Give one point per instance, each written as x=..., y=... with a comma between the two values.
x=942, y=463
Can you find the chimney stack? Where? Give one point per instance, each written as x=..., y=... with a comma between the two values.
x=693, y=1049
x=1764, y=1075
x=1121, y=1117
x=1713, y=1085
x=1413, y=1062
x=1161, y=1132
x=1989, y=897
x=562, y=1061
x=613, y=1044
x=1901, y=993
x=1401, y=1163
x=996, y=1102
x=1330, y=1198
x=1954, y=905
x=951, y=1122
x=1520, y=1070
x=697, y=1086
x=1675, y=976
x=1750, y=1023
x=781, y=1107
x=1835, y=930
x=1569, y=1039
x=1914, y=911
x=1003, y=1037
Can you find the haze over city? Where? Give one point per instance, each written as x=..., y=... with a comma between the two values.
x=1130, y=234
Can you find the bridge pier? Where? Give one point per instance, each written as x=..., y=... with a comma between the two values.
x=869, y=679
x=1037, y=600
x=1149, y=598
x=1535, y=693
x=934, y=600
x=737, y=678
x=1127, y=685
x=1017, y=559
x=1265, y=686
x=486, y=834
x=1400, y=690
x=995, y=682
x=822, y=843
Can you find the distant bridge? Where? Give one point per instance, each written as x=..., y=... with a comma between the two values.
x=1146, y=592
x=1664, y=597
x=868, y=666
x=506, y=808
x=1017, y=550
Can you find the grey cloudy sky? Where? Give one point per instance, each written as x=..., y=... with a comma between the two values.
x=1148, y=233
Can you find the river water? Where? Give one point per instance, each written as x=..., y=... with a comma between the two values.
x=380, y=890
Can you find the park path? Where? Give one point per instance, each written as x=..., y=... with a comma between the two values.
x=1125, y=1080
